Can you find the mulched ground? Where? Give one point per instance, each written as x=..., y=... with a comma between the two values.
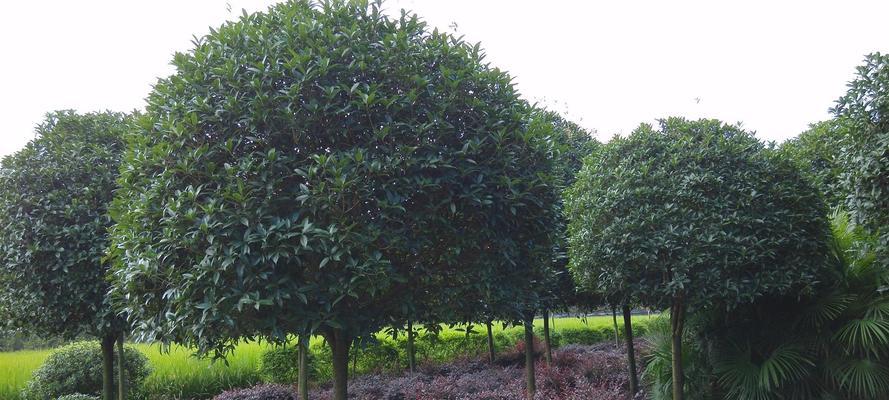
x=578, y=372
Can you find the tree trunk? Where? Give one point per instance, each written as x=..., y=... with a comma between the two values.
x=530, y=385
x=108, y=367
x=614, y=319
x=354, y=363
x=547, y=344
x=411, y=355
x=302, y=379
x=121, y=369
x=677, y=320
x=339, y=346
x=491, y=351
x=631, y=351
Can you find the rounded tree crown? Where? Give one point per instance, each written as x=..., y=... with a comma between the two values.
x=54, y=197
x=697, y=210
x=305, y=163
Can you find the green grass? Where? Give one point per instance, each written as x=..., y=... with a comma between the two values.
x=16, y=368
x=177, y=374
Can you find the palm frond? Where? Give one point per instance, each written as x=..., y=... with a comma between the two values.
x=865, y=378
x=827, y=309
x=864, y=336
x=747, y=379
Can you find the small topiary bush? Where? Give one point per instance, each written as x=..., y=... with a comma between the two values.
x=259, y=392
x=78, y=396
x=77, y=369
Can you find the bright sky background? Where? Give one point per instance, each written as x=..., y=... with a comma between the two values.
x=609, y=65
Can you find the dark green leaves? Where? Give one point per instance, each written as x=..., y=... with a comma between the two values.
x=697, y=209
x=866, y=152
x=54, y=196
x=329, y=145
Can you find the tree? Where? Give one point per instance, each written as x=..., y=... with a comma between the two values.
x=866, y=107
x=831, y=345
x=572, y=144
x=818, y=153
x=695, y=215
x=54, y=196
x=304, y=164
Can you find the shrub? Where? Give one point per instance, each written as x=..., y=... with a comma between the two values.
x=77, y=369
x=78, y=396
x=281, y=364
x=377, y=355
x=583, y=336
x=259, y=392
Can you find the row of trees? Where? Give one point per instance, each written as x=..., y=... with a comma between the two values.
x=312, y=170
x=328, y=170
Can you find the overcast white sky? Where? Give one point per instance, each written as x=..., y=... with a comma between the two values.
x=609, y=65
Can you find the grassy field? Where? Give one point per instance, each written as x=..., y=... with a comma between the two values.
x=177, y=374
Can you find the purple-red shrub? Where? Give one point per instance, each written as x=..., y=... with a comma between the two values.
x=577, y=372
x=259, y=392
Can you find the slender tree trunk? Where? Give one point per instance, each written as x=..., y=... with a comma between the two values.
x=354, y=363
x=411, y=356
x=631, y=351
x=616, y=335
x=530, y=385
x=108, y=367
x=121, y=369
x=339, y=345
x=491, y=351
x=547, y=344
x=677, y=321
x=302, y=379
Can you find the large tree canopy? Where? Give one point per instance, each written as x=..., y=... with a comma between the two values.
x=866, y=107
x=54, y=196
x=305, y=163
x=695, y=214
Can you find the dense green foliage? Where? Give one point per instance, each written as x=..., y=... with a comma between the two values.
x=54, y=194
x=333, y=172
x=840, y=340
x=572, y=144
x=698, y=211
x=832, y=344
x=77, y=368
x=303, y=163
x=866, y=107
x=696, y=215
x=819, y=154
x=278, y=364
